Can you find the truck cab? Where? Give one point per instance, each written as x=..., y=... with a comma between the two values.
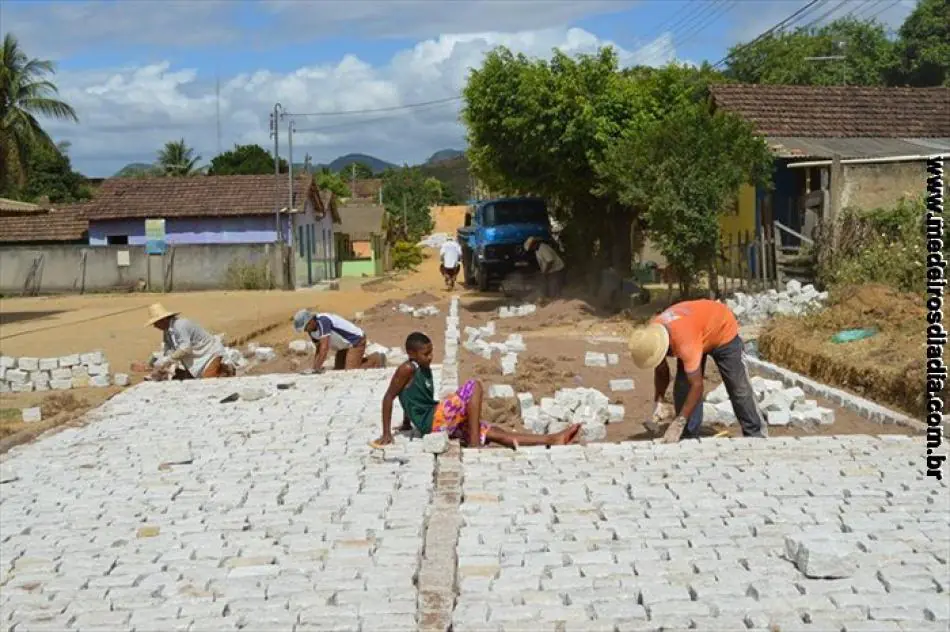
x=493, y=237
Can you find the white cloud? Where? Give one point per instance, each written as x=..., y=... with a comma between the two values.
x=126, y=114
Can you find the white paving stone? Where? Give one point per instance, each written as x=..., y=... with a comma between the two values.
x=171, y=511
x=644, y=536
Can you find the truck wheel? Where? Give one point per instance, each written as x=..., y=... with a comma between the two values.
x=482, y=274
x=467, y=269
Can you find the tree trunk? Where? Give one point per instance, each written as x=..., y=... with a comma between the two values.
x=621, y=244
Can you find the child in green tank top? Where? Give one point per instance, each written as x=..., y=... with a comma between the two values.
x=458, y=415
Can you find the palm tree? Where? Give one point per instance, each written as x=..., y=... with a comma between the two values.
x=177, y=159
x=25, y=93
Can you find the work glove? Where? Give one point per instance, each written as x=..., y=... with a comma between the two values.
x=661, y=411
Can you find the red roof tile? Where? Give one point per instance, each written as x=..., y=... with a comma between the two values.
x=65, y=223
x=839, y=111
x=198, y=196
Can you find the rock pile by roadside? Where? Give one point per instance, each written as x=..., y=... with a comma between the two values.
x=781, y=406
x=586, y=406
x=477, y=342
x=795, y=300
x=77, y=370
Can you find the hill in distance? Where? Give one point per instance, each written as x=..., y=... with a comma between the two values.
x=444, y=154
x=135, y=169
x=374, y=163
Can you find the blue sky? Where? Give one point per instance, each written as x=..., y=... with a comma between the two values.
x=141, y=72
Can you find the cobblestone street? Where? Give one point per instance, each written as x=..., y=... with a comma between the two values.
x=173, y=511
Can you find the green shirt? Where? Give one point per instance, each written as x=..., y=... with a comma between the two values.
x=417, y=398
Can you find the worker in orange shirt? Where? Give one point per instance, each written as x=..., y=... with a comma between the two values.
x=690, y=331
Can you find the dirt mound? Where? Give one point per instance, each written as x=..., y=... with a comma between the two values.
x=886, y=367
x=62, y=403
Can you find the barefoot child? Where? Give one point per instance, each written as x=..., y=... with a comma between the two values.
x=458, y=414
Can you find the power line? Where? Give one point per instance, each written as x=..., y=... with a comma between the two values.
x=794, y=17
x=693, y=25
x=874, y=15
x=826, y=14
x=393, y=108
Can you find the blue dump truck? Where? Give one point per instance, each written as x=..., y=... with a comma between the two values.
x=493, y=237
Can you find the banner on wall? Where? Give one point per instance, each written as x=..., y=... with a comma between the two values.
x=155, y=237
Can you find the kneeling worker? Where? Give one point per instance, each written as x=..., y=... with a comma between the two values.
x=690, y=331
x=187, y=343
x=551, y=265
x=329, y=331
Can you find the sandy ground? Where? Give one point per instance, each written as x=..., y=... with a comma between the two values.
x=559, y=335
x=55, y=326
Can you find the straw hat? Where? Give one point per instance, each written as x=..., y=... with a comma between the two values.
x=648, y=345
x=158, y=312
x=528, y=242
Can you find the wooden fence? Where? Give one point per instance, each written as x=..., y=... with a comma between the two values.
x=748, y=262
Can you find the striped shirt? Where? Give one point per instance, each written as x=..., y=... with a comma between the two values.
x=343, y=334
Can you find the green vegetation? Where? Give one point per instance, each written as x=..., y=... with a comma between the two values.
x=406, y=255
x=26, y=93
x=408, y=196
x=244, y=160
x=176, y=159
x=243, y=275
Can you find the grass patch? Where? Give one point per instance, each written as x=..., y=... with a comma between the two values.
x=887, y=368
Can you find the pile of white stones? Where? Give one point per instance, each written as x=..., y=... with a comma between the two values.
x=796, y=300
x=515, y=311
x=450, y=364
x=597, y=359
x=417, y=312
x=477, y=342
x=781, y=406
x=586, y=406
x=435, y=240
x=26, y=374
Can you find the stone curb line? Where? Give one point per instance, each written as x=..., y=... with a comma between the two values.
x=865, y=408
x=436, y=583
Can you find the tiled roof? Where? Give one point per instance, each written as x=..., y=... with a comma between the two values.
x=66, y=223
x=16, y=206
x=361, y=221
x=365, y=189
x=198, y=196
x=839, y=111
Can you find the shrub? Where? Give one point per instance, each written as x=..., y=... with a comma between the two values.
x=406, y=255
x=244, y=275
x=884, y=245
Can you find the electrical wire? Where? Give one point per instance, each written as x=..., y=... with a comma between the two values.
x=874, y=15
x=393, y=108
x=693, y=25
x=794, y=17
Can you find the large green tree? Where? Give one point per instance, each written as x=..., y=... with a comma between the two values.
x=540, y=127
x=177, y=159
x=923, y=47
x=329, y=181
x=25, y=94
x=408, y=196
x=52, y=176
x=244, y=160
x=359, y=170
x=682, y=169
x=783, y=58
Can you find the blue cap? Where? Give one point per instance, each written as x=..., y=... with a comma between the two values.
x=301, y=319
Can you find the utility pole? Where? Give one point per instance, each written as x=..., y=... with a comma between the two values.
x=217, y=110
x=290, y=162
x=274, y=123
x=306, y=163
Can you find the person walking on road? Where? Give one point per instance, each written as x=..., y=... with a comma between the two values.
x=450, y=261
x=551, y=265
x=332, y=332
x=690, y=331
x=192, y=351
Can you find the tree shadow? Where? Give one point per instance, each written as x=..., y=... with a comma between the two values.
x=8, y=318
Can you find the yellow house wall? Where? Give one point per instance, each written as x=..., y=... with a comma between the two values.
x=735, y=224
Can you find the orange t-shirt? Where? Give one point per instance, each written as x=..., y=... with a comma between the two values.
x=696, y=328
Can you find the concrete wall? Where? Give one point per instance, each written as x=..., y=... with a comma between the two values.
x=61, y=269
x=877, y=185
x=240, y=229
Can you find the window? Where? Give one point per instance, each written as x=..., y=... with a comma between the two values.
x=117, y=240
x=526, y=211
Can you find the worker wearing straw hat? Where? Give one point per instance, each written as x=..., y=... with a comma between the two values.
x=690, y=331
x=187, y=343
x=551, y=265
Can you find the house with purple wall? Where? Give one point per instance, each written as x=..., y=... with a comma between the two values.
x=240, y=209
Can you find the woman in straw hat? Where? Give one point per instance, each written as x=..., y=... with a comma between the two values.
x=187, y=343
x=690, y=331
